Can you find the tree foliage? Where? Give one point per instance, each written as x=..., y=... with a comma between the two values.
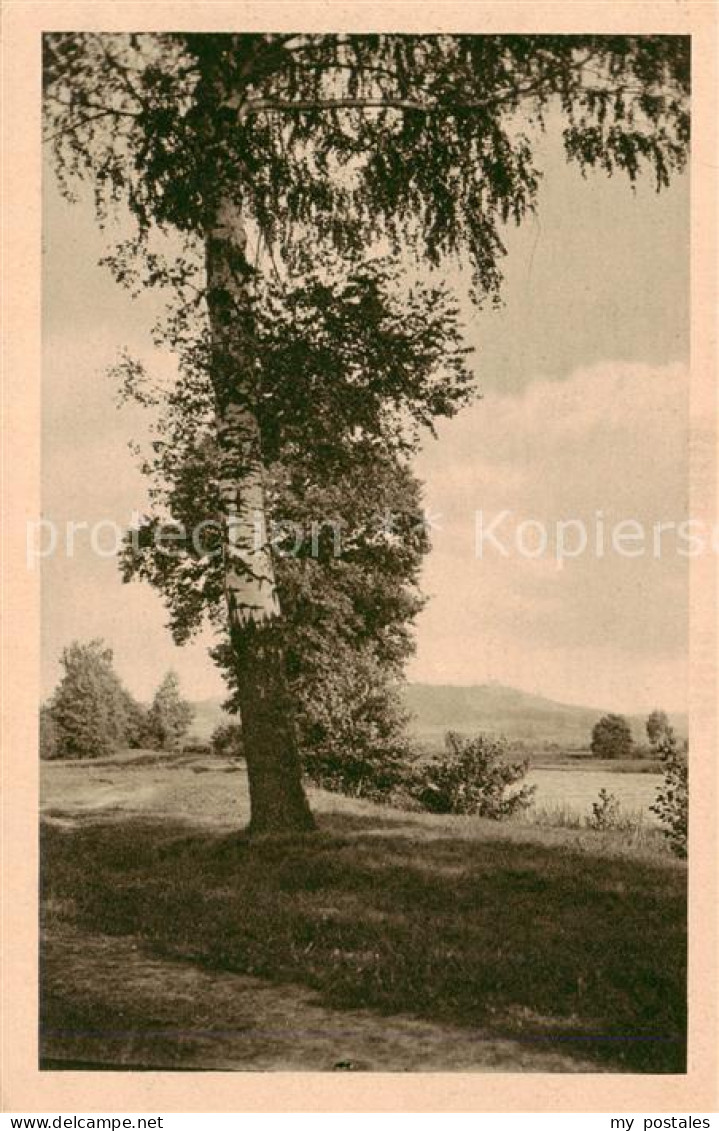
x=48, y=743
x=169, y=717
x=475, y=777
x=354, y=138
x=658, y=729
x=226, y=740
x=90, y=710
x=364, y=368
x=672, y=801
x=612, y=737
x=352, y=723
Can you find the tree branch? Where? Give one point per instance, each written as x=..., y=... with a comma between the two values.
x=72, y=126
x=120, y=71
x=94, y=106
x=264, y=105
x=269, y=105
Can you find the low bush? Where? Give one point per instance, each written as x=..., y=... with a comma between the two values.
x=377, y=773
x=226, y=741
x=364, y=779
x=474, y=778
x=198, y=748
x=605, y=812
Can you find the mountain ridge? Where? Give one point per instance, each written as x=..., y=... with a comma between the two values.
x=521, y=716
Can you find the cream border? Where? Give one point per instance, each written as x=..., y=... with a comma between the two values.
x=26, y=1089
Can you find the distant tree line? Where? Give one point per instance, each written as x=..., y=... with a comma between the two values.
x=612, y=737
x=92, y=714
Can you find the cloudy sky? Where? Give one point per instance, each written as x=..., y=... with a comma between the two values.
x=583, y=419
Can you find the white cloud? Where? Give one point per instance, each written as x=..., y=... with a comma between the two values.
x=611, y=440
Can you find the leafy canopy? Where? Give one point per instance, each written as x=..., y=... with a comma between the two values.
x=364, y=368
x=346, y=375
x=169, y=717
x=90, y=713
x=418, y=140
x=612, y=737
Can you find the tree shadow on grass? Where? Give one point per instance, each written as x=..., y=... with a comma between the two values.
x=535, y=943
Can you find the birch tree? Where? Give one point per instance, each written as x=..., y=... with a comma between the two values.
x=285, y=148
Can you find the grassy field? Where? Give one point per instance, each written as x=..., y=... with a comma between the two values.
x=388, y=941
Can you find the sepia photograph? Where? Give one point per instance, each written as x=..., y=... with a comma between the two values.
x=367, y=551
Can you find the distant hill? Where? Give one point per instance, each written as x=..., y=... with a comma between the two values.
x=505, y=710
x=492, y=708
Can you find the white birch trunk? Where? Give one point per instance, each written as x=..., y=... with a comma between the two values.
x=278, y=802
x=250, y=586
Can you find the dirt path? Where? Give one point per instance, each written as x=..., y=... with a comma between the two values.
x=145, y=1012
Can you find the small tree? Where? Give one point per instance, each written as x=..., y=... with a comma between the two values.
x=89, y=707
x=672, y=803
x=658, y=729
x=474, y=778
x=612, y=738
x=169, y=717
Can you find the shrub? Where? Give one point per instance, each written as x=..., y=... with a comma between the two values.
x=379, y=777
x=473, y=778
x=226, y=740
x=611, y=738
x=672, y=803
x=198, y=748
x=605, y=812
x=372, y=773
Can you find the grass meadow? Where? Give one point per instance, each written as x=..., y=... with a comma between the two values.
x=388, y=941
